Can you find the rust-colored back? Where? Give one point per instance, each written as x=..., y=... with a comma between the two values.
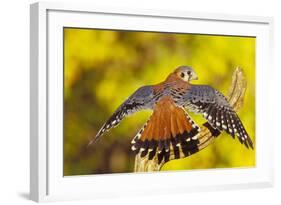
x=167, y=121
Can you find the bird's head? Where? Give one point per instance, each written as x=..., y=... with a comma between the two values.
x=186, y=73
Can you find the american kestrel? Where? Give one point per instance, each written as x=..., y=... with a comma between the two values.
x=170, y=127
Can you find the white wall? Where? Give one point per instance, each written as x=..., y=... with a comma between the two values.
x=14, y=103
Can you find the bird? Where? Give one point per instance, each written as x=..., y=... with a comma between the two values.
x=170, y=127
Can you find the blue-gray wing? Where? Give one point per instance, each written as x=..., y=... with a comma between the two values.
x=143, y=98
x=203, y=99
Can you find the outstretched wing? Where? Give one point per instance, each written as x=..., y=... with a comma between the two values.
x=216, y=109
x=143, y=98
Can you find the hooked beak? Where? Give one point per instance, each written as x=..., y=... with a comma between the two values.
x=194, y=77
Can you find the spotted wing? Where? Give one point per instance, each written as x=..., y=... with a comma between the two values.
x=215, y=108
x=143, y=98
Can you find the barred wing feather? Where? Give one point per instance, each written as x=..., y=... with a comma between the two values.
x=203, y=99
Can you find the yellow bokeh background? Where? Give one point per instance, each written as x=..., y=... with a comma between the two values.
x=102, y=68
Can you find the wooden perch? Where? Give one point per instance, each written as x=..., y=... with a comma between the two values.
x=235, y=98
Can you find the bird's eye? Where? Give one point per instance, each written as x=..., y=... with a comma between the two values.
x=182, y=75
x=189, y=72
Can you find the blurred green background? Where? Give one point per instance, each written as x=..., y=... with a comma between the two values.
x=102, y=68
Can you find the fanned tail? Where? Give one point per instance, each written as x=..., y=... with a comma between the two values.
x=168, y=129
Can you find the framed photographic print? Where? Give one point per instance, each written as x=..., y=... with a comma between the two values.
x=120, y=97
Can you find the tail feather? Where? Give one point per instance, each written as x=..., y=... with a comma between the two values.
x=168, y=129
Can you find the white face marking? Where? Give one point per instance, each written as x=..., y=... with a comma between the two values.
x=187, y=75
x=107, y=126
x=187, y=139
x=235, y=130
x=230, y=130
x=242, y=138
x=224, y=127
x=210, y=117
x=205, y=114
x=218, y=124
x=142, y=149
x=114, y=121
x=178, y=145
x=133, y=141
x=133, y=148
x=245, y=136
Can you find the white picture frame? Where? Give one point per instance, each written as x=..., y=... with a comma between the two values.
x=46, y=177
